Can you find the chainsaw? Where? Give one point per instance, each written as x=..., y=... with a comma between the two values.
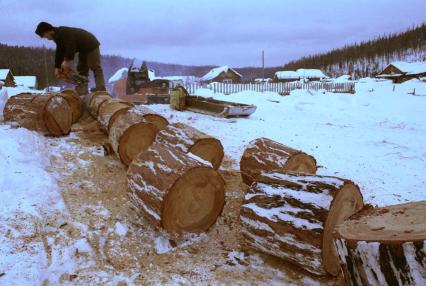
x=70, y=76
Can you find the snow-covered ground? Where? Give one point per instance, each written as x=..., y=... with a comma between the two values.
x=375, y=137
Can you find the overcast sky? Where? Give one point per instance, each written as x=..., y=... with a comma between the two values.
x=219, y=32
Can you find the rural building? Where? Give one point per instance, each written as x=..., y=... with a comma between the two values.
x=223, y=74
x=286, y=76
x=26, y=81
x=304, y=74
x=118, y=81
x=402, y=71
x=7, y=77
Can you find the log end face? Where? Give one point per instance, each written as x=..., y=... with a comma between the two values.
x=58, y=116
x=194, y=202
x=301, y=163
x=347, y=202
x=209, y=149
x=157, y=120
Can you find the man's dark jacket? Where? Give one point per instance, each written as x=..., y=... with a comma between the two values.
x=70, y=41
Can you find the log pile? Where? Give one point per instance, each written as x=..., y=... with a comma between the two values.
x=49, y=114
x=384, y=246
x=292, y=216
x=264, y=154
x=175, y=191
x=191, y=140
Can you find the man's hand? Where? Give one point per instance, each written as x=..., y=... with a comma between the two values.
x=57, y=73
x=66, y=65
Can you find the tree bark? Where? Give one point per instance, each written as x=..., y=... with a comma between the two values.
x=49, y=114
x=265, y=155
x=110, y=110
x=97, y=99
x=73, y=99
x=189, y=139
x=131, y=134
x=292, y=217
x=175, y=191
x=384, y=246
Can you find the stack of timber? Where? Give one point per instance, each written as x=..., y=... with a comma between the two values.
x=264, y=154
x=73, y=99
x=384, y=246
x=190, y=140
x=175, y=191
x=292, y=216
x=49, y=114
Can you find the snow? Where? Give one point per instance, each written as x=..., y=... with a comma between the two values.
x=217, y=71
x=26, y=81
x=4, y=73
x=121, y=73
x=121, y=229
x=310, y=73
x=410, y=68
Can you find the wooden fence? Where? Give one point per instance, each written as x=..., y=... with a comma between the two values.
x=281, y=88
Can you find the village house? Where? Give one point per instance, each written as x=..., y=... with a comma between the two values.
x=27, y=81
x=223, y=74
x=402, y=71
x=7, y=77
x=300, y=74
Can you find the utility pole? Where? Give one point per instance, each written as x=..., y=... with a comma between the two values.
x=263, y=66
x=45, y=68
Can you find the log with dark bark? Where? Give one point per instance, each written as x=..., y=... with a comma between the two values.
x=131, y=134
x=49, y=114
x=384, y=246
x=189, y=139
x=110, y=110
x=73, y=99
x=265, y=155
x=174, y=190
x=152, y=116
x=292, y=216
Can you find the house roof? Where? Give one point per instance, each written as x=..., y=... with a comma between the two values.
x=27, y=81
x=410, y=68
x=3, y=73
x=311, y=73
x=287, y=75
x=217, y=71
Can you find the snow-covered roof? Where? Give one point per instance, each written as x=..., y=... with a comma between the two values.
x=217, y=71
x=311, y=73
x=287, y=75
x=121, y=73
x=410, y=68
x=27, y=81
x=3, y=73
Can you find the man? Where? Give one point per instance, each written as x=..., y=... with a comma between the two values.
x=70, y=41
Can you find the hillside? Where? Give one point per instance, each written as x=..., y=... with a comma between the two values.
x=369, y=57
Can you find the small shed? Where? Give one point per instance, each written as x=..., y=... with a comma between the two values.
x=7, y=77
x=223, y=74
x=402, y=71
x=29, y=81
x=286, y=76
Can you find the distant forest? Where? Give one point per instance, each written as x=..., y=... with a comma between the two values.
x=359, y=60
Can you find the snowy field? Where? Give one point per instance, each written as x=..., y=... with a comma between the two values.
x=375, y=137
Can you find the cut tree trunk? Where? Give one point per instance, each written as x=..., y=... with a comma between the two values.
x=110, y=110
x=97, y=99
x=265, y=155
x=49, y=114
x=189, y=139
x=384, y=246
x=73, y=99
x=175, y=191
x=292, y=216
x=152, y=117
x=131, y=134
